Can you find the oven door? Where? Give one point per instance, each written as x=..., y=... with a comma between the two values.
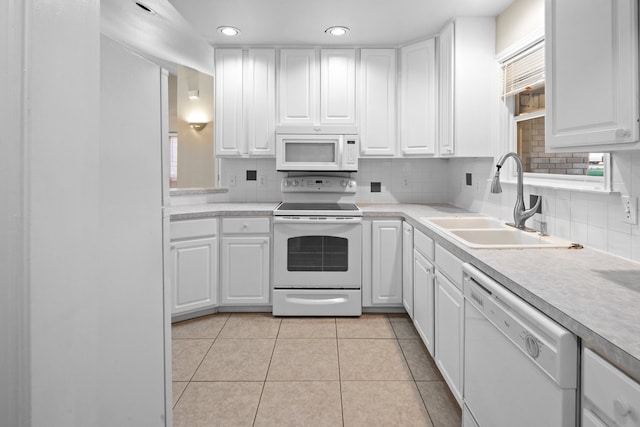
x=318, y=253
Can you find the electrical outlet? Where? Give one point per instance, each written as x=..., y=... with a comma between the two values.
x=232, y=181
x=468, y=179
x=630, y=208
x=262, y=181
x=533, y=199
x=405, y=182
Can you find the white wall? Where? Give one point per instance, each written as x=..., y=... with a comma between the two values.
x=519, y=21
x=61, y=326
x=62, y=176
x=14, y=360
x=196, y=165
x=130, y=280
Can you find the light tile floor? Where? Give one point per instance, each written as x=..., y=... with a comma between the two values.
x=254, y=369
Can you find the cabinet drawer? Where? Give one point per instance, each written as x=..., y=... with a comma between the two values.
x=450, y=265
x=423, y=244
x=246, y=225
x=193, y=228
x=610, y=391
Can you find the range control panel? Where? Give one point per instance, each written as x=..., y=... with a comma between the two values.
x=318, y=184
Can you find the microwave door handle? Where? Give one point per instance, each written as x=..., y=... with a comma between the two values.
x=341, y=162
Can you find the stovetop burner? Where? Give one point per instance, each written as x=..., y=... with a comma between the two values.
x=318, y=196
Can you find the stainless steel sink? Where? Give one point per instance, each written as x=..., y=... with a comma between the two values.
x=490, y=233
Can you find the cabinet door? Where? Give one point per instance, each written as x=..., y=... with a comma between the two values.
x=260, y=101
x=449, y=333
x=446, y=66
x=386, y=261
x=298, y=87
x=338, y=86
x=245, y=270
x=592, y=74
x=378, y=102
x=228, y=102
x=195, y=274
x=423, y=300
x=407, y=268
x=419, y=98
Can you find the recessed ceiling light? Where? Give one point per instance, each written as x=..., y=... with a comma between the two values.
x=337, y=31
x=229, y=31
x=146, y=8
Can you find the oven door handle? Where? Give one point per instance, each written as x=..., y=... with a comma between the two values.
x=317, y=220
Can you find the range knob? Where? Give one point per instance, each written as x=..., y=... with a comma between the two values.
x=344, y=183
x=286, y=183
x=351, y=183
x=295, y=183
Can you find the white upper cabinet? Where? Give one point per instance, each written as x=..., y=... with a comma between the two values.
x=228, y=102
x=592, y=75
x=468, y=87
x=338, y=86
x=245, y=102
x=317, y=87
x=260, y=101
x=377, y=96
x=418, y=99
x=298, y=87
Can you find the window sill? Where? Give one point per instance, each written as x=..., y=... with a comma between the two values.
x=559, y=184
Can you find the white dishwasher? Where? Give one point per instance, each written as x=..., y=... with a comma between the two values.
x=520, y=367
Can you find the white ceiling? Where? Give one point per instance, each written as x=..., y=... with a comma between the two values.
x=378, y=23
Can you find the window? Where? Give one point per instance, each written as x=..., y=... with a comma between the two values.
x=523, y=93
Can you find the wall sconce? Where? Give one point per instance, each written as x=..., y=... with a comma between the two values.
x=193, y=94
x=198, y=126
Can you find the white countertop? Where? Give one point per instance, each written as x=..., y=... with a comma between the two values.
x=594, y=294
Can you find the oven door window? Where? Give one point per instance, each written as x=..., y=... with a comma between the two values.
x=317, y=253
x=313, y=152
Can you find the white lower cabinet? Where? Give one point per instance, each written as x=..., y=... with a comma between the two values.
x=424, y=289
x=449, y=319
x=407, y=268
x=609, y=397
x=245, y=261
x=382, y=263
x=194, y=265
x=424, y=299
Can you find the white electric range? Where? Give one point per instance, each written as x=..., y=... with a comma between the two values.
x=317, y=248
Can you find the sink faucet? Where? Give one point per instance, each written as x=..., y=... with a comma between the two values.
x=520, y=214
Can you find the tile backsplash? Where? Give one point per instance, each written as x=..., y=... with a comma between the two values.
x=590, y=218
x=401, y=180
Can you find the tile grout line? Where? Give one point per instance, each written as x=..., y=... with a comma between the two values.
x=415, y=383
x=199, y=364
x=266, y=375
x=339, y=372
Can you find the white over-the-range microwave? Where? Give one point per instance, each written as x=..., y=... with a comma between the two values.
x=317, y=152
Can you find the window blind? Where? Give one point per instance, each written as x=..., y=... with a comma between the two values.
x=523, y=72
